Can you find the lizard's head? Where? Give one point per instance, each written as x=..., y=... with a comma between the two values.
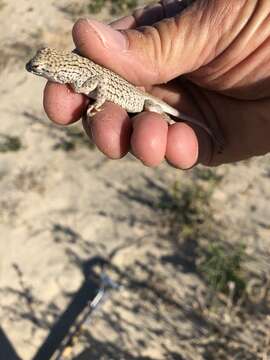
x=54, y=65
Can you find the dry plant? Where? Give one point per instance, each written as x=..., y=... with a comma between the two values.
x=9, y=143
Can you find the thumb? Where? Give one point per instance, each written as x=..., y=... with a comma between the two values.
x=155, y=54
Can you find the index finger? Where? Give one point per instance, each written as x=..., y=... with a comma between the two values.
x=63, y=105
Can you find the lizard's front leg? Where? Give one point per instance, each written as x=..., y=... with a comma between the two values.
x=95, y=87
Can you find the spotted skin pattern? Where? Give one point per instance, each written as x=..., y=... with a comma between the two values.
x=102, y=84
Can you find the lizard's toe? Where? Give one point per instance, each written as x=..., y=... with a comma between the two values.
x=91, y=111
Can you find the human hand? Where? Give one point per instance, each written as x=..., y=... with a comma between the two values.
x=220, y=49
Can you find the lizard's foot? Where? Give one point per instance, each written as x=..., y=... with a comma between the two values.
x=92, y=110
x=149, y=105
x=167, y=118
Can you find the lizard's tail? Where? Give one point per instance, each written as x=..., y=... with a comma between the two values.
x=179, y=116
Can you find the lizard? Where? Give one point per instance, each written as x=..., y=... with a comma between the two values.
x=101, y=84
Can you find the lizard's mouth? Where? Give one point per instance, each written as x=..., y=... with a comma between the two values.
x=32, y=68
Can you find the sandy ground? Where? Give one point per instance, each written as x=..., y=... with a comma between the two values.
x=62, y=203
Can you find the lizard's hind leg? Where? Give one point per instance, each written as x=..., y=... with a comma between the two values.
x=149, y=105
x=96, y=88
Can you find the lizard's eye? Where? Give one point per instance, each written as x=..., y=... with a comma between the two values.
x=61, y=77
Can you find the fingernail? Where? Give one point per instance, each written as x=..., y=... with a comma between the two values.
x=110, y=38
